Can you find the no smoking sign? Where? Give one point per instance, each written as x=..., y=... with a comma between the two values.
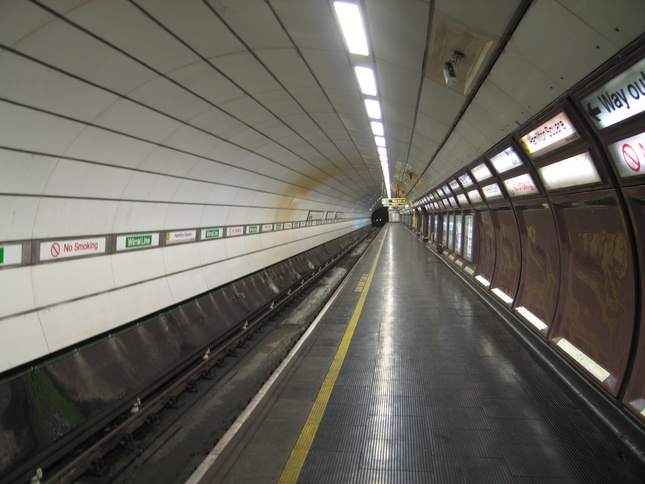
x=628, y=155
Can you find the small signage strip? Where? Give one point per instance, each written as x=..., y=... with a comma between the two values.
x=234, y=231
x=181, y=236
x=207, y=234
x=61, y=249
x=10, y=255
x=139, y=241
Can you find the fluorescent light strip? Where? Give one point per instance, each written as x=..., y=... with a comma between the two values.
x=377, y=128
x=482, y=280
x=373, y=108
x=353, y=30
x=502, y=295
x=366, y=80
x=590, y=365
x=532, y=318
x=351, y=25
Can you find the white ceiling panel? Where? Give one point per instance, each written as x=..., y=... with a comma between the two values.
x=37, y=85
x=18, y=19
x=150, y=187
x=64, y=46
x=262, y=94
x=619, y=24
x=253, y=21
x=194, y=23
x=439, y=102
x=35, y=131
x=490, y=17
x=523, y=82
x=78, y=179
x=540, y=43
x=24, y=172
x=508, y=113
x=123, y=25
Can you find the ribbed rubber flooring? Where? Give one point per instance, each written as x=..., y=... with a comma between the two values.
x=433, y=389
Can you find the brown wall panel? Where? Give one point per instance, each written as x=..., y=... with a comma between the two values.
x=540, y=283
x=486, y=238
x=507, y=244
x=596, y=309
x=634, y=398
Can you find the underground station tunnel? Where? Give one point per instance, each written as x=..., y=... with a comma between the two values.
x=317, y=241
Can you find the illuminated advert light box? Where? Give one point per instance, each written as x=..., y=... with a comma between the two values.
x=492, y=191
x=481, y=172
x=465, y=180
x=520, y=185
x=574, y=171
x=475, y=196
x=506, y=160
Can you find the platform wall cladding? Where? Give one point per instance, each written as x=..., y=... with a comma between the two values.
x=55, y=399
x=60, y=291
x=551, y=222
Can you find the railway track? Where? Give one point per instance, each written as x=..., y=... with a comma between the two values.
x=164, y=435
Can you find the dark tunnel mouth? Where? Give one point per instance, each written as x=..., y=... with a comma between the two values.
x=380, y=217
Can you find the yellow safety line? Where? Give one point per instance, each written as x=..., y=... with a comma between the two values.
x=299, y=453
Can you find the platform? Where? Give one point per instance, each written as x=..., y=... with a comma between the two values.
x=409, y=377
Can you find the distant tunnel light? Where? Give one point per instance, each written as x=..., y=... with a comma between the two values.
x=532, y=318
x=366, y=80
x=590, y=365
x=351, y=25
x=373, y=108
x=377, y=128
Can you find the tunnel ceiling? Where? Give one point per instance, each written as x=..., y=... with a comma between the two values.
x=261, y=95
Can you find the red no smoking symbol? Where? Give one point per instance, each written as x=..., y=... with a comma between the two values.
x=55, y=249
x=631, y=157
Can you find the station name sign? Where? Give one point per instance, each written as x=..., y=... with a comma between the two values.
x=393, y=202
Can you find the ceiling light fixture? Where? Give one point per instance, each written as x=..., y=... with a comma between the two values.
x=353, y=30
x=373, y=108
x=366, y=81
x=377, y=128
x=351, y=25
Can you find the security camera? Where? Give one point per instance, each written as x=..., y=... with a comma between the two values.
x=449, y=74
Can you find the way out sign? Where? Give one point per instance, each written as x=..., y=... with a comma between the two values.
x=61, y=249
x=620, y=98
